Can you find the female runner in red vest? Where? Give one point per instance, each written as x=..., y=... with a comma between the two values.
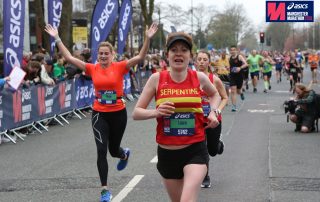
x=109, y=117
x=214, y=144
x=182, y=152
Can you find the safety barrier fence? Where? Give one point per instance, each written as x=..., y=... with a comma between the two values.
x=30, y=107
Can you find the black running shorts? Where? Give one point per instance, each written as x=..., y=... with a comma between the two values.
x=171, y=162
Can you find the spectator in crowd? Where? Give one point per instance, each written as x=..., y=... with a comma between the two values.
x=71, y=70
x=32, y=74
x=3, y=81
x=155, y=63
x=59, y=71
x=46, y=68
x=86, y=55
x=46, y=72
x=163, y=63
x=25, y=59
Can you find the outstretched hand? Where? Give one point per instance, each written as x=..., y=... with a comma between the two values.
x=152, y=30
x=52, y=31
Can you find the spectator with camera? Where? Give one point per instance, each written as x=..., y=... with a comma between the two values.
x=305, y=112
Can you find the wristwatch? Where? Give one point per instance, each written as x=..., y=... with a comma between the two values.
x=217, y=111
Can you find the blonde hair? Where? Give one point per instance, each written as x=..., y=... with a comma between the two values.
x=106, y=44
x=305, y=89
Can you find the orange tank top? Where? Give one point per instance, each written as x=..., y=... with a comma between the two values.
x=108, y=85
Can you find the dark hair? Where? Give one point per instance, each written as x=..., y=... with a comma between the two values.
x=205, y=52
x=233, y=46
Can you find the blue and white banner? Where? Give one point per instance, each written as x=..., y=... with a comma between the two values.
x=124, y=24
x=84, y=92
x=127, y=84
x=289, y=11
x=103, y=17
x=54, y=15
x=13, y=33
x=28, y=105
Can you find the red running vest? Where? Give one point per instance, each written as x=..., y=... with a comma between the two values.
x=185, y=126
x=205, y=102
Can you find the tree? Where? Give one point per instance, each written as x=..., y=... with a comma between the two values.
x=226, y=28
x=147, y=11
x=66, y=24
x=249, y=40
x=42, y=38
x=294, y=43
x=200, y=39
x=278, y=32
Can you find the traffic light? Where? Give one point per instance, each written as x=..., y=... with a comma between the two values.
x=261, y=37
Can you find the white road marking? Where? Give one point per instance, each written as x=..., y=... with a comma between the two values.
x=129, y=187
x=260, y=110
x=282, y=91
x=154, y=160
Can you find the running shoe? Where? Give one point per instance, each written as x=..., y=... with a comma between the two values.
x=106, y=196
x=233, y=108
x=255, y=90
x=269, y=87
x=122, y=164
x=206, y=182
x=220, y=147
x=265, y=91
x=242, y=96
x=247, y=87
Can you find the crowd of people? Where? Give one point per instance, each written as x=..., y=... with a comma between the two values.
x=190, y=94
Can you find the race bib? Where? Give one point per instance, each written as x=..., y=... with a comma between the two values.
x=254, y=66
x=265, y=67
x=293, y=70
x=234, y=69
x=107, y=97
x=179, y=124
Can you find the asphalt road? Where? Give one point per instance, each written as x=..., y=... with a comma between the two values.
x=264, y=159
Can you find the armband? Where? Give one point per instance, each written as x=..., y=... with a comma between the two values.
x=57, y=40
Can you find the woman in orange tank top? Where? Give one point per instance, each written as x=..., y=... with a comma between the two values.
x=182, y=153
x=109, y=116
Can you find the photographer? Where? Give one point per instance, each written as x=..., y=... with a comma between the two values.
x=305, y=113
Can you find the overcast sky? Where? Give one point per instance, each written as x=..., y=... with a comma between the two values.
x=255, y=9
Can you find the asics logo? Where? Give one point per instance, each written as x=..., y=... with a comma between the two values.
x=297, y=6
x=182, y=116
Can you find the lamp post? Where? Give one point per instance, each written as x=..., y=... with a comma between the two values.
x=140, y=31
x=191, y=17
x=160, y=34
